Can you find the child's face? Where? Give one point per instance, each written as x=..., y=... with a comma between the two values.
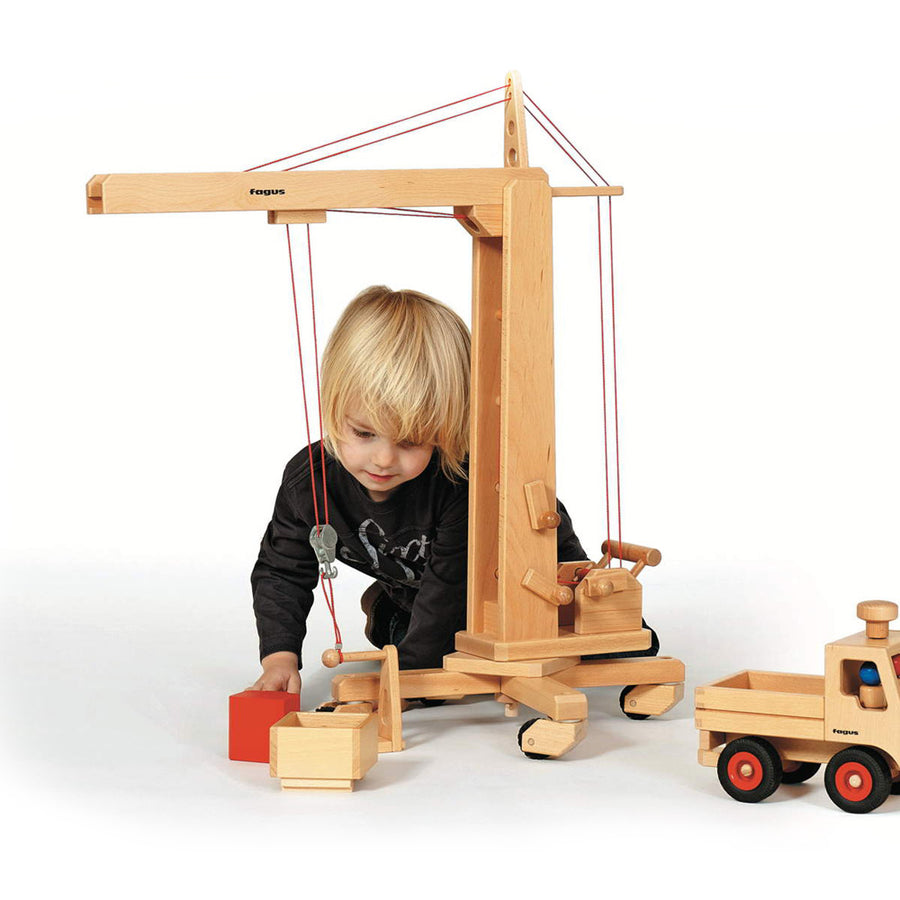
x=375, y=461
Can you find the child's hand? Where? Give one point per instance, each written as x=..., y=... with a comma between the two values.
x=280, y=673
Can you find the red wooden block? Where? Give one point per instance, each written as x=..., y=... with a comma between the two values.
x=250, y=716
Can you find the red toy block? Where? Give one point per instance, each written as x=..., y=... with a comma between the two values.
x=250, y=716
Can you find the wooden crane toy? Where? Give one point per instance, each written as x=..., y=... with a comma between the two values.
x=529, y=620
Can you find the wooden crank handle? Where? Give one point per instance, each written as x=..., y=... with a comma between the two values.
x=332, y=658
x=632, y=552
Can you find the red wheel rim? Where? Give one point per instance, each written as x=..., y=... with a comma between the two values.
x=853, y=781
x=745, y=771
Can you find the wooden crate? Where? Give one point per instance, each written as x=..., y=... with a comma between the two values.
x=323, y=750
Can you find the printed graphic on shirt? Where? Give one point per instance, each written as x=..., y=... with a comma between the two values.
x=399, y=559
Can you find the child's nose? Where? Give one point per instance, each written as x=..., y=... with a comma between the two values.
x=385, y=453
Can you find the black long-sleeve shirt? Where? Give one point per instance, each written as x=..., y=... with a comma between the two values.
x=415, y=544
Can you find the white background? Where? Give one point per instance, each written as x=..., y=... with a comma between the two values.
x=150, y=400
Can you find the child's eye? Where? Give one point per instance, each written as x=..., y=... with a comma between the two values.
x=362, y=434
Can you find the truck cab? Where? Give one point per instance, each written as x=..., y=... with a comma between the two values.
x=862, y=688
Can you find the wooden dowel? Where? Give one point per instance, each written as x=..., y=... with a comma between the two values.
x=332, y=658
x=632, y=552
x=598, y=191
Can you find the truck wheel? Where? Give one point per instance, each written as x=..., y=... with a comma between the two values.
x=749, y=769
x=858, y=779
x=803, y=772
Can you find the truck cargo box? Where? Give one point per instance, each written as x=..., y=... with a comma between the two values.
x=773, y=704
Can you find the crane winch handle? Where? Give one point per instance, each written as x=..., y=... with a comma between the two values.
x=332, y=658
x=631, y=552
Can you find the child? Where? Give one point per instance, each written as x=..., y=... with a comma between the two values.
x=395, y=405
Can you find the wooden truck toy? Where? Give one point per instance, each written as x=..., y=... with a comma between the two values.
x=763, y=729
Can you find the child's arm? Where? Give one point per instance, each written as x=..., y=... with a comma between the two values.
x=283, y=580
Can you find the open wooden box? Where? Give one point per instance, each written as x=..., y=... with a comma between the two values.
x=328, y=750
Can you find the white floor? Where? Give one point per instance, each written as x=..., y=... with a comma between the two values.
x=114, y=742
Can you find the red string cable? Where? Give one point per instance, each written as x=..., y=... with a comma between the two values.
x=614, y=368
x=328, y=592
x=327, y=583
x=398, y=134
x=312, y=303
x=327, y=587
x=403, y=213
x=558, y=144
x=612, y=301
x=376, y=128
x=287, y=229
x=425, y=212
x=559, y=131
x=603, y=368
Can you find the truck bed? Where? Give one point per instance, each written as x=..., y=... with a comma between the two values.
x=773, y=704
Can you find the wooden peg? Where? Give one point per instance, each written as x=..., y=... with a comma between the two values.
x=597, y=588
x=510, y=706
x=557, y=594
x=877, y=614
x=871, y=696
x=541, y=509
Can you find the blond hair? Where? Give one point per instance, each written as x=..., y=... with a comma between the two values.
x=403, y=358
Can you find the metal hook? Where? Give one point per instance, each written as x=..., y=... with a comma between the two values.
x=323, y=540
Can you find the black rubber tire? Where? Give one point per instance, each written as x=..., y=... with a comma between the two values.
x=325, y=709
x=895, y=787
x=765, y=769
x=431, y=701
x=803, y=772
x=868, y=764
x=522, y=731
x=638, y=717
